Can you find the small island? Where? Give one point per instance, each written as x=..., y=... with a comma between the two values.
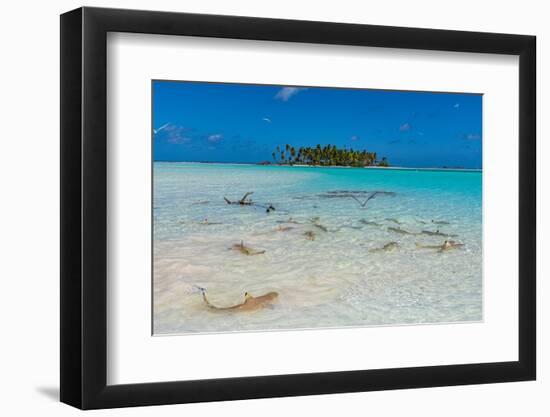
x=328, y=155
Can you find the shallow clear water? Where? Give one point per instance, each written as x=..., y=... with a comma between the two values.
x=339, y=279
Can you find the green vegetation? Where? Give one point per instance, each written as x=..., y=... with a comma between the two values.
x=328, y=155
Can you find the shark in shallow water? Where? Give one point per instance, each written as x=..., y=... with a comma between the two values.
x=445, y=246
x=245, y=250
x=250, y=302
x=388, y=247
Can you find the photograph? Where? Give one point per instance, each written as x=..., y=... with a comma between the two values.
x=279, y=207
x=272, y=205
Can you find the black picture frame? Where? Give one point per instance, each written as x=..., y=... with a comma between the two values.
x=84, y=207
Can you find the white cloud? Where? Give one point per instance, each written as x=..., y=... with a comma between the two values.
x=266, y=119
x=355, y=138
x=285, y=93
x=215, y=138
x=405, y=127
x=457, y=105
x=472, y=136
x=178, y=140
x=174, y=134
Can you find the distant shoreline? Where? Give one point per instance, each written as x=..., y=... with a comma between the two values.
x=391, y=168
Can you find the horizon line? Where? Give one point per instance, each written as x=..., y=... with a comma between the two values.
x=395, y=167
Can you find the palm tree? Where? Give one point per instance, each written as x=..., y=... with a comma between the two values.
x=327, y=155
x=383, y=162
x=300, y=152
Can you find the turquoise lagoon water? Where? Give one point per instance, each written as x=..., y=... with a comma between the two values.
x=338, y=279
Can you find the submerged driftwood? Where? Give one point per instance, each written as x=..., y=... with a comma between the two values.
x=347, y=193
x=365, y=196
x=362, y=197
x=364, y=203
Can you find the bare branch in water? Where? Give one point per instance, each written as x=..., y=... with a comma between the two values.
x=244, y=200
x=364, y=203
x=248, y=202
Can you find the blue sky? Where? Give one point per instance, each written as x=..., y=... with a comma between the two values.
x=220, y=122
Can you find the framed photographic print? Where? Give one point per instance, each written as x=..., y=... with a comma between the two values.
x=257, y=208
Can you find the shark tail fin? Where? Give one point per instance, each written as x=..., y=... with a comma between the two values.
x=199, y=288
x=203, y=294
